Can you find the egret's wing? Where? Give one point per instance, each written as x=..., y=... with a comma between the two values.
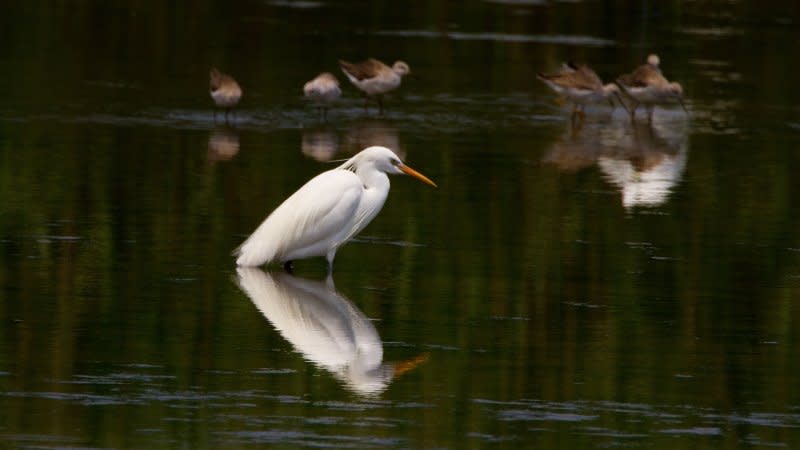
x=318, y=212
x=370, y=205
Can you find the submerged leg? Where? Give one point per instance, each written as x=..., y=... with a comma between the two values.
x=633, y=111
x=380, y=105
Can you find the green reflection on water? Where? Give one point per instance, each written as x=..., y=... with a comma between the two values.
x=553, y=313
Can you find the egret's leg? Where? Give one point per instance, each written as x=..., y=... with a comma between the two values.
x=329, y=257
x=380, y=105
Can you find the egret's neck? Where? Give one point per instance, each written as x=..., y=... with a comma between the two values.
x=372, y=178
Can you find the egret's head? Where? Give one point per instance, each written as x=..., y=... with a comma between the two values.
x=401, y=68
x=384, y=160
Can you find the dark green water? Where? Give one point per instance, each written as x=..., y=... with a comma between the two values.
x=613, y=286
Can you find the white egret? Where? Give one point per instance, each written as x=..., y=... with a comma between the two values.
x=326, y=212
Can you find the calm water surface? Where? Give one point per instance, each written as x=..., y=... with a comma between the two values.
x=605, y=285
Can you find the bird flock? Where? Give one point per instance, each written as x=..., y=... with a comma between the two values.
x=645, y=86
x=372, y=77
x=333, y=207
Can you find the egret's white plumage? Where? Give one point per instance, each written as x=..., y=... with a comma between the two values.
x=327, y=211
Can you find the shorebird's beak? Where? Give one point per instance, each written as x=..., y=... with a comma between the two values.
x=409, y=171
x=621, y=102
x=680, y=100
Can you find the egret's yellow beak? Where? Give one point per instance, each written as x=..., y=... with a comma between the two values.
x=409, y=171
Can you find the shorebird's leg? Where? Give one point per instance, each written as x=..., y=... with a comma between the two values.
x=632, y=111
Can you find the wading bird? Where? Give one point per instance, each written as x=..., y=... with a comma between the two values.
x=375, y=78
x=647, y=86
x=322, y=90
x=580, y=85
x=329, y=210
x=224, y=90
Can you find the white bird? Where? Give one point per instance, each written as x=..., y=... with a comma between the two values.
x=325, y=327
x=322, y=90
x=375, y=78
x=326, y=212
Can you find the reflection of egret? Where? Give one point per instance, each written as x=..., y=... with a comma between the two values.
x=319, y=144
x=325, y=327
x=223, y=144
x=326, y=212
x=369, y=132
x=644, y=162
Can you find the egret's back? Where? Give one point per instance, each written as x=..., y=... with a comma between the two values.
x=309, y=223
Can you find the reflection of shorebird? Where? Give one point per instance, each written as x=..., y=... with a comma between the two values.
x=224, y=90
x=326, y=212
x=368, y=132
x=320, y=144
x=647, y=86
x=223, y=144
x=642, y=162
x=647, y=174
x=322, y=90
x=325, y=327
x=580, y=85
x=375, y=78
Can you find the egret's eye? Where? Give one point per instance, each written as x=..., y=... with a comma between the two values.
x=395, y=162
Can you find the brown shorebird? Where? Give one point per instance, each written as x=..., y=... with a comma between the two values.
x=647, y=86
x=224, y=90
x=322, y=91
x=375, y=78
x=580, y=85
